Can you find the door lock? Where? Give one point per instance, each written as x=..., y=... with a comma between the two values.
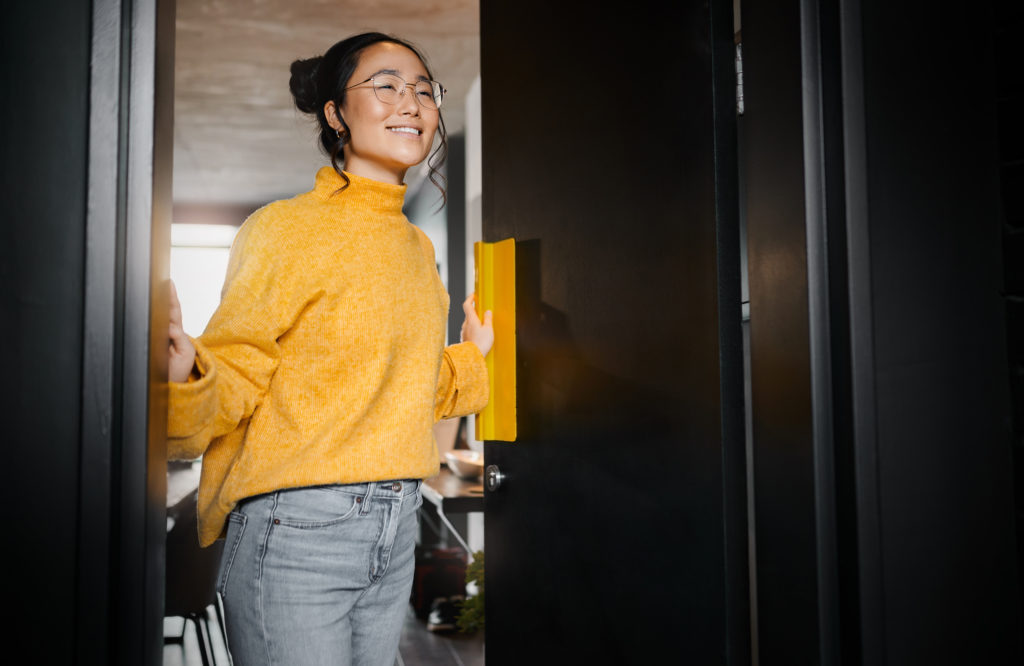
x=494, y=477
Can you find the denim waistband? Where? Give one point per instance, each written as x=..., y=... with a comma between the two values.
x=390, y=488
x=384, y=489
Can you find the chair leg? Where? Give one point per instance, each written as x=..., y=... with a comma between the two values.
x=218, y=606
x=178, y=640
x=209, y=636
x=203, y=634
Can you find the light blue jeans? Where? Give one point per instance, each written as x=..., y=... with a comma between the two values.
x=321, y=575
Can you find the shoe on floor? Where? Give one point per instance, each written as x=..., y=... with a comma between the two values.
x=444, y=612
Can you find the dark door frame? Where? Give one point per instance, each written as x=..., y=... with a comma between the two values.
x=879, y=399
x=122, y=494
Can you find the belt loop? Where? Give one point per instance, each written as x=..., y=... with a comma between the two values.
x=366, y=498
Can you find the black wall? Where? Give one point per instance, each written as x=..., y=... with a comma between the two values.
x=880, y=398
x=1008, y=24
x=86, y=136
x=44, y=127
x=945, y=485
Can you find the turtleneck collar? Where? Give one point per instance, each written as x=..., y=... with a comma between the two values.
x=377, y=197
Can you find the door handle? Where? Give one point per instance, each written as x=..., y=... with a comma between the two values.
x=494, y=477
x=495, y=290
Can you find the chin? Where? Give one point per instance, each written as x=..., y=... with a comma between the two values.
x=409, y=161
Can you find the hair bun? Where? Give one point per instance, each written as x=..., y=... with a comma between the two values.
x=303, y=84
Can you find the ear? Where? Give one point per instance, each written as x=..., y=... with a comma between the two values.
x=332, y=115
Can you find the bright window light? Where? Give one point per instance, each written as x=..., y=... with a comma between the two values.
x=199, y=261
x=202, y=235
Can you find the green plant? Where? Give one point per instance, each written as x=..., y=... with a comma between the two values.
x=471, y=611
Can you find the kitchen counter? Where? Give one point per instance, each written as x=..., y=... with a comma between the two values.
x=452, y=494
x=446, y=491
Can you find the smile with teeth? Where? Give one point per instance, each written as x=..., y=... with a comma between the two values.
x=405, y=130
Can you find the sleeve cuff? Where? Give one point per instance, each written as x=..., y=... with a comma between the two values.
x=189, y=407
x=470, y=376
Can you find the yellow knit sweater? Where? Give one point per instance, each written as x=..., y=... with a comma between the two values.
x=325, y=361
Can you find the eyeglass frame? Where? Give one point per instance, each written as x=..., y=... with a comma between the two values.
x=406, y=84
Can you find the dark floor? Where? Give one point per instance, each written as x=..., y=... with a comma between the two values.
x=418, y=647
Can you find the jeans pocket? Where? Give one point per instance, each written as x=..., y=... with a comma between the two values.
x=236, y=528
x=312, y=508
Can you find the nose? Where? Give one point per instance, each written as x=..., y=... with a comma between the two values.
x=407, y=100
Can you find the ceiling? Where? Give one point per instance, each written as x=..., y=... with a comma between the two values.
x=238, y=139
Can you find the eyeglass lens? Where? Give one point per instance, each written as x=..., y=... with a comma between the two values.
x=389, y=87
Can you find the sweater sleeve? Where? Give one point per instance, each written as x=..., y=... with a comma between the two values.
x=238, y=353
x=462, y=384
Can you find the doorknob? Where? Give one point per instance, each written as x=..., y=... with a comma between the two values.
x=494, y=476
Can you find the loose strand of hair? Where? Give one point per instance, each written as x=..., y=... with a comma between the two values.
x=337, y=150
x=437, y=160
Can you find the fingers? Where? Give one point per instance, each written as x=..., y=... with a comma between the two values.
x=175, y=309
x=181, y=353
x=179, y=342
x=481, y=333
x=469, y=306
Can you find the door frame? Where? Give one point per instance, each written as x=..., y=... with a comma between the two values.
x=123, y=483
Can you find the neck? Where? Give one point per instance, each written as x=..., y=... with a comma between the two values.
x=363, y=192
x=375, y=171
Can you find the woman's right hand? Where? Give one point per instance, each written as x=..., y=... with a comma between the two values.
x=480, y=333
x=181, y=353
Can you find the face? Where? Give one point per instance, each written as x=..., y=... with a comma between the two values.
x=385, y=139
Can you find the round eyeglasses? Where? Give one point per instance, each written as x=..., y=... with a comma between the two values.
x=389, y=88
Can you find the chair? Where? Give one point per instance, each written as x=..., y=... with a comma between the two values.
x=191, y=577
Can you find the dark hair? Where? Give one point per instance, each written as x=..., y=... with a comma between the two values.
x=320, y=79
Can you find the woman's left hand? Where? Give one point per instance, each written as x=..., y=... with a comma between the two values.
x=473, y=330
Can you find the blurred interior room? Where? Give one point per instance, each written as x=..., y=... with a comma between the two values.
x=239, y=144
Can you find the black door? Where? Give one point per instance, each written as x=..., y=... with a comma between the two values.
x=618, y=535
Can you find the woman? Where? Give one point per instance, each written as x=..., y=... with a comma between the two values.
x=312, y=393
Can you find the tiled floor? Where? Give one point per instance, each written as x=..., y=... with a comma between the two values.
x=418, y=647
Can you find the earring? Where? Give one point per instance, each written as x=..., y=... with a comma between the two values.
x=339, y=133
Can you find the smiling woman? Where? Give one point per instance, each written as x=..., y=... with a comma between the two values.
x=357, y=92
x=312, y=394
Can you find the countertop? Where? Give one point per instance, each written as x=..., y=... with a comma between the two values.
x=453, y=494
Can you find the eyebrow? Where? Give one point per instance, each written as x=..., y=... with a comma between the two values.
x=395, y=72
